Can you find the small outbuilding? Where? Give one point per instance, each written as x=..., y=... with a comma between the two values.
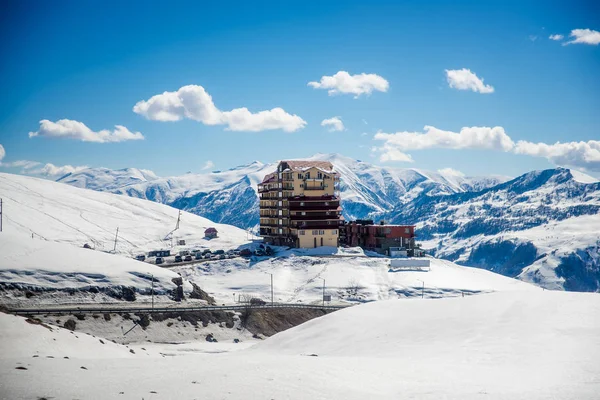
x=211, y=233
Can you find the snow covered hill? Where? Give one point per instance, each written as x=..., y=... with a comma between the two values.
x=46, y=210
x=346, y=278
x=48, y=265
x=511, y=345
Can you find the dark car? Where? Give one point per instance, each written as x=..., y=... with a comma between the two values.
x=188, y=258
x=141, y=257
x=198, y=256
x=178, y=259
x=207, y=256
x=206, y=251
x=257, y=302
x=159, y=260
x=222, y=256
x=219, y=252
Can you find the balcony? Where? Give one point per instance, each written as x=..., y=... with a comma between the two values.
x=312, y=206
x=312, y=217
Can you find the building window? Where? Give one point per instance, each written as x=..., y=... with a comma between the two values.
x=326, y=203
x=301, y=233
x=388, y=230
x=319, y=175
x=280, y=204
x=299, y=176
x=321, y=232
x=280, y=212
x=280, y=231
x=334, y=232
x=302, y=185
x=280, y=222
x=308, y=175
x=303, y=213
x=301, y=204
x=406, y=230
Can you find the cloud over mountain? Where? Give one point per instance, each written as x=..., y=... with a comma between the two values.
x=333, y=124
x=70, y=129
x=193, y=102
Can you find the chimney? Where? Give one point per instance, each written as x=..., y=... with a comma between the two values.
x=382, y=222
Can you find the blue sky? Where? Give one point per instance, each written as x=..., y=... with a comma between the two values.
x=92, y=62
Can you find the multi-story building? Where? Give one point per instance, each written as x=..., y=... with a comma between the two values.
x=379, y=238
x=300, y=206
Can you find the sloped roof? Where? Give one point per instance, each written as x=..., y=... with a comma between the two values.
x=210, y=230
x=303, y=164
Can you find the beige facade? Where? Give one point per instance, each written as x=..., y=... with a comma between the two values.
x=299, y=205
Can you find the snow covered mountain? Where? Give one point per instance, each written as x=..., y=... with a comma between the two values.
x=541, y=227
x=230, y=197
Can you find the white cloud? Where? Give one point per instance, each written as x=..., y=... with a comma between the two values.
x=584, y=36
x=464, y=79
x=334, y=124
x=556, y=37
x=365, y=122
x=344, y=83
x=395, y=144
x=208, y=165
x=24, y=164
x=70, y=129
x=533, y=38
x=450, y=172
x=193, y=102
x=574, y=154
x=2, y=153
x=51, y=170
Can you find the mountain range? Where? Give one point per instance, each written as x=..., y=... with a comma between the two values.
x=542, y=227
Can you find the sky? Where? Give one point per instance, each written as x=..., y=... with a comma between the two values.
x=478, y=88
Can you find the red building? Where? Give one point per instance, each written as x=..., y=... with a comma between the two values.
x=377, y=238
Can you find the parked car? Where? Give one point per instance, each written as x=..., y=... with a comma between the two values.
x=159, y=260
x=207, y=256
x=178, y=259
x=188, y=258
x=219, y=252
x=246, y=253
x=231, y=255
x=206, y=251
x=198, y=256
x=257, y=302
x=222, y=256
x=141, y=257
x=184, y=252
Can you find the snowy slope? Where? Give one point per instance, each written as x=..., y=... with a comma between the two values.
x=26, y=262
x=347, y=279
x=57, y=212
x=513, y=345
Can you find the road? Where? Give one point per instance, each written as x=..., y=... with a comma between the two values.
x=146, y=308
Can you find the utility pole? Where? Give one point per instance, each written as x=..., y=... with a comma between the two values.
x=116, y=236
x=152, y=291
x=271, y=290
x=323, y=292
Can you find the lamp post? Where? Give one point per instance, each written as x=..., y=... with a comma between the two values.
x=422, y=288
